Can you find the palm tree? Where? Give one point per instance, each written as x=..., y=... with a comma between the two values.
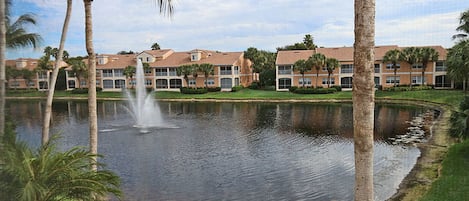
x=129, y=72
x=318, y=61
x=302, y=66
x=411, y=56
x=12, y=73
x=463, y=25
x=155, y=46
x=185, y=71
x=308, y=40
x=427, y=55
x=195, y=72
x=58, y=54
x=207, y=69
x=27, y=76
x=331, y=65
x=393, y=57
x=47, y=174
x=363, y=98
x=16, y=33
x=79, y=69
x=458, y=62
x=2, y=67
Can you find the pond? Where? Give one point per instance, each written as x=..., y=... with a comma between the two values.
x=233, y=151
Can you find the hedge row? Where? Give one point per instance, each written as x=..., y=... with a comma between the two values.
x=307, y=90
x=408, y=88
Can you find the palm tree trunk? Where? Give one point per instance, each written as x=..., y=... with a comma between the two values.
x=423, y=72
x=303, y=80
x=410, y=77
x=317, y=77
x=329, y=80
x=92, y=105
x=55, y=72
x=395, y=74
x=2, y=71
x=363, y=98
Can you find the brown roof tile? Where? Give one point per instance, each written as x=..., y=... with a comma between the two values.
x=291, y=56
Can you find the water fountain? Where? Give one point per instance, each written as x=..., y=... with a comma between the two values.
x=142, y=107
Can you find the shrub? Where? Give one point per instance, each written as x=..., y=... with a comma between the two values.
x=236, y=88
x=314, y=90
x=80, y=91
x=214, y=89
x=254, y=85
x=464, y=105
x=188, y=90
x=292, y=88
x=379, y=87
x=337, y=87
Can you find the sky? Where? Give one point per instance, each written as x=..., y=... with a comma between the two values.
x=235, y=25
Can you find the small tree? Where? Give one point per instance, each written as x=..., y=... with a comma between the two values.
x=302, y=66
x=411, y=56
x=318, y=61
x=27, y=76
x=155, y=46
x=79, y=69
x=393, y=57
x=13, y=73
x=129, y=73
x=185, y=71
x=207, y=69
x=331, y=65
x=195, y=72
x=427, y=55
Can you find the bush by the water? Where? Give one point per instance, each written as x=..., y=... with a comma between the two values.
x=236, y=88
x=408, y=88
x=188, y=90
x=337, y=87
x=459, y=125
x=309, y=90
x=214, y=89
x=84, y=90
x=254, y=85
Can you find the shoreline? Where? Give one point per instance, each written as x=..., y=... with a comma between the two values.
x=414, y=185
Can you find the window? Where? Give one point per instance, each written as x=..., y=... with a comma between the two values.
x=346, y=68
x=119, y=84
x=133, y=82
x=331, y=81
x=147, y=70
x=31, y=84
x=236, y=70
x=192, y=82
x=377, y=68
x=209, y=82
x=226, y=83
x=389, y=66
x=70, y=74
x=173, y=72
x=71, y=84
x=175, y=83
x=284, y=70
x=118, y=72
x=15, y=84
x=418, y=80
x=98, y=83
x=107, y=73
x=108, y=84
x=417, y=66
x=392, y=80
x=284, y=83
x=148, y=82
x=43, y=85
x=82, y=83
x=346, y=82
x=377, y=80
x=161, y=71
x=442, y=81
x=161, y=83
x=306, y=82
x=148, y=59
x=440, y=66
x=42, y=75
x=225, y=70
x=236, y=81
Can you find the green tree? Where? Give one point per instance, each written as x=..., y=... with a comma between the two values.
x=393, y=57
x=318, y=61
x=261, y=61
x=411, y=56
x=302, y=66
x=28, y=76
x=207, y=69
x=155, y=46
x=364, y=98
x=46, y=174
x=195, y=72
x=331, y=65
x=79, y=69
x=129, y=73
x=2, y=69
x=457, y=62
x=463, y=26
x=308, y=40
x=17, y=35
x=185, y=71
x=427, y=55
x=13, y=73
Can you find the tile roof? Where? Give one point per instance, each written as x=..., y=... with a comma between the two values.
x=291, y=56
x=116, y=61
x=31, y=64
x=213, y=57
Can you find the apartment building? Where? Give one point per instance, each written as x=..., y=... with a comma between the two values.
x=230, y=69
x=37, y=79
x=435, y=73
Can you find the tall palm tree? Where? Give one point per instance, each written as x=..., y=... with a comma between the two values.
x=463, y=25
x=79, y=69
x=318, y=61
x=129, y=73
x=185, y=71
x=16, y=34
x=411, y=56
x=195, y=72
x=47, y=174
x=427, y=55
x=331, y=65
x=58, y=54
x=393, y=57
x=458, y=62
x=2, y=67
x=302, y=66
x=207, y=69
x=363, y=98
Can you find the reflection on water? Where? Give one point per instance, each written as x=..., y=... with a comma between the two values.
x=233, y=151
